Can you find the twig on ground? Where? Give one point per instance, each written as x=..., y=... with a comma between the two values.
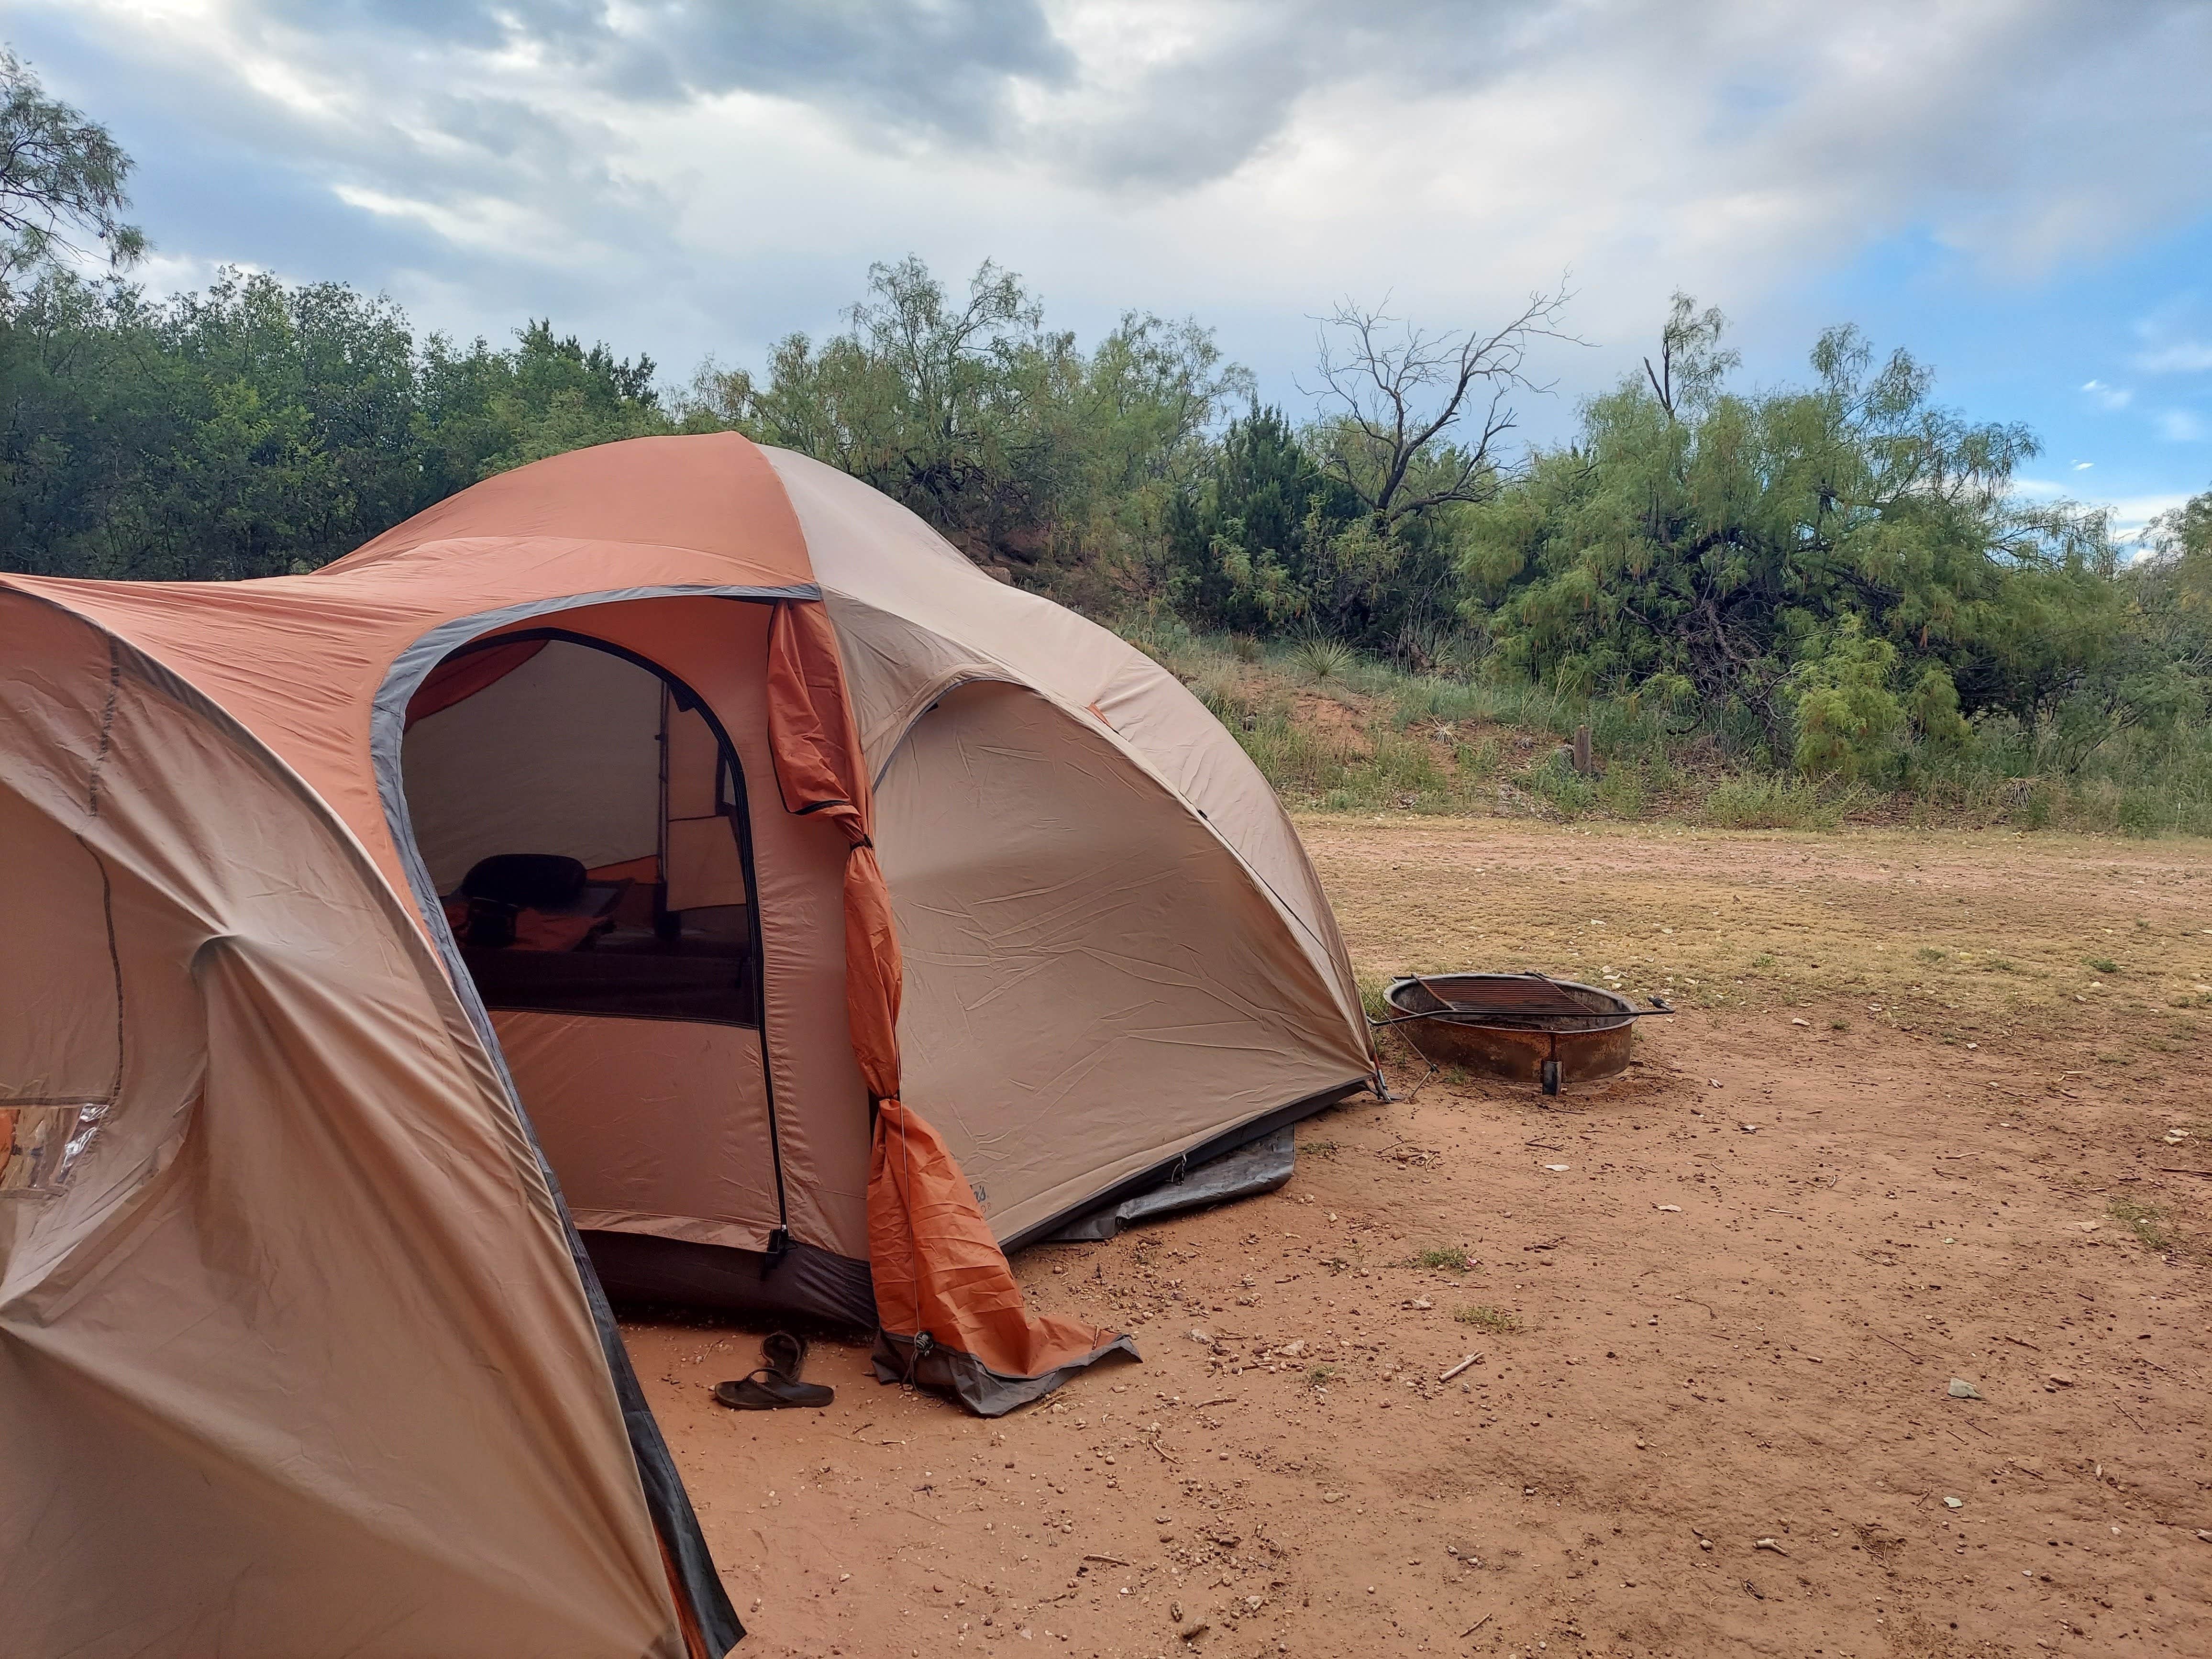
x=1900, y=1346
x=1476, y=1625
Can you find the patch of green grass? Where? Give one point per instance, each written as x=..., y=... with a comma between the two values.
x=1319, y=1375
x=1371, y=999
x=1495, y=1319
x=2147, y=1224
x=1321, y=1148
x=1763, y=959
x=1556, y=781
x=1930, y=953
x=1442, y=1256
x=2102, y=964
x=1766, y=803
x=1998, y=965
x=1839, y=1025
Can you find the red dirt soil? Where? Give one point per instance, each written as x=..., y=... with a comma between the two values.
x=1721, y=1424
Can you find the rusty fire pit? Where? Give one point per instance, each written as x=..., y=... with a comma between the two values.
x=1525, y=1028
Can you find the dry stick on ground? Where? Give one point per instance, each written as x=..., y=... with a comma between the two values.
x=1107, y=1560
x=1476, y=1625
x=1900, y=1346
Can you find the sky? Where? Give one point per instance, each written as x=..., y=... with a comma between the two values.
x=2019, y=191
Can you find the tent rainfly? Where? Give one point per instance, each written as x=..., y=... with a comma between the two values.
x=668, y=869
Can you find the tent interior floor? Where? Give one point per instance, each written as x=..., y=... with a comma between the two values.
x=1769, y=1360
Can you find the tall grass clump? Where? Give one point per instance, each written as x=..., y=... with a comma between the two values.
x=1322, y=660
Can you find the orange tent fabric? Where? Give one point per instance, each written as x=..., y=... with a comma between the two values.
x=950, y=1315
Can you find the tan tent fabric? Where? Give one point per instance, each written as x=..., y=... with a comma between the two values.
x=296, y=1360
x=655, y=1110
x=949, y=1312
x=918, y=622
x=1009, y=916
x=914, y=616
x=594, y=721
x=300, y=1349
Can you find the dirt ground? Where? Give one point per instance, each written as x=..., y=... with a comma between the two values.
x=1937, y=1109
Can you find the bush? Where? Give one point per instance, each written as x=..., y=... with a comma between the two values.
x=1847, y=718
x=1765, y=803
x=1321, y=660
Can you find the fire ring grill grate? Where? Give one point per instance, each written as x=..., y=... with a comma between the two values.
x=1526, y=1027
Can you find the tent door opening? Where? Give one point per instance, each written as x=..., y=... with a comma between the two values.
x=583, y=815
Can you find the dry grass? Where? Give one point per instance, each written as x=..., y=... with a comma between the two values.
x=1446, y=1258
x=1496, y=1320
x=1958, y=934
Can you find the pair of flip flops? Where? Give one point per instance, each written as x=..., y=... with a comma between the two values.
x=775, y=1386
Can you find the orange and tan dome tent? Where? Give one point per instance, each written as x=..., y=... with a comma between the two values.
x=670, y=865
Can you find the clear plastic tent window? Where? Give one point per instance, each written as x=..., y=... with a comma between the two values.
x=41, y=1144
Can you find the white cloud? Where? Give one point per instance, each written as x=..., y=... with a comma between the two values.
x=2131, y=517
x=2127, y=516
x=2182, y=357
x=710, y=176
x=2107, y=397
x=2183, y=426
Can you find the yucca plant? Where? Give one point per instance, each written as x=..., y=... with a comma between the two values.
x=1321, y=660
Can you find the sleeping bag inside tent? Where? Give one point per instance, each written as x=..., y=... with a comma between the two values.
x=669, y=869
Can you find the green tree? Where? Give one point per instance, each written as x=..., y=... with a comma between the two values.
x=257, y=427
x=62, y=183
x=1023, y=449
x=1238, y=539
x=1695, y=545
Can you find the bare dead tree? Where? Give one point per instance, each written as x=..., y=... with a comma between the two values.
x=1408, y=395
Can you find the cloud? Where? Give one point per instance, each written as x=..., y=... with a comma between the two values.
x=2183, y=426
x=2182, y=357
x=2176, y=335
x=2131, y=516
x=690, y=175
x=2107, y=397
x=949, y=68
